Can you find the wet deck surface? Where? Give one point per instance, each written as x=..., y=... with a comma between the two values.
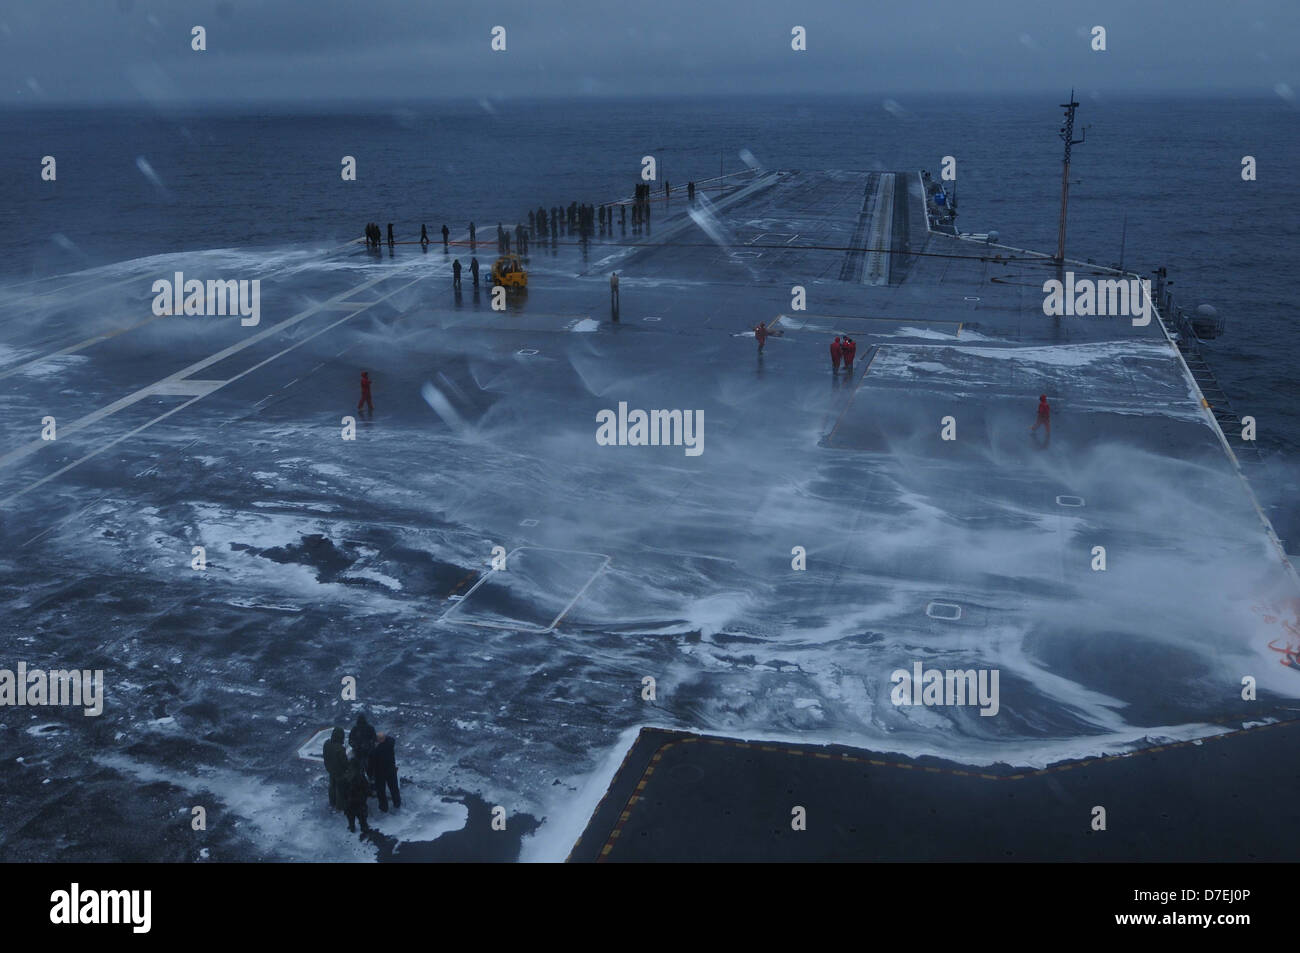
x=330, y=558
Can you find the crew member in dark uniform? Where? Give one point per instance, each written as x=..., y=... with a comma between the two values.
x=362, y=739
x=383, y=771
x=358, y=791
x=336, y=763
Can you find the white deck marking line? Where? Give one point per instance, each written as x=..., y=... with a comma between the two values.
x=192, y=400
x=864, y=317
x=673, y=552
x=328, y=305
x=129, y=399
x=80, y=346
x=90, y=279
x=147, y=470
x=37, y=281
x=532, y=630
x=95, y=502
x=58, y=524
x=30, y=299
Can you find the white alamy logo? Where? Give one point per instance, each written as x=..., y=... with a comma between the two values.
x=102, y=906
x=655, y=428
x=935, y=686
x=1110, y=297
x=79, y=689
x=243, y=297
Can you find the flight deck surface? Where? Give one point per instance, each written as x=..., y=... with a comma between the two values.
x=329, y=558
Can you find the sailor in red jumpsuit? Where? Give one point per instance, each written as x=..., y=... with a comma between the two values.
x=835, y=355
x=365, y=393
x=1044, y=415
x=848, y=348
x=760, y=332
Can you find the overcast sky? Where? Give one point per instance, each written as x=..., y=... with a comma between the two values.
x=138, y=51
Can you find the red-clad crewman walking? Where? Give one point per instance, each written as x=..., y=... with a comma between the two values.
x=365, y=393
x=836, y=353
x=760, y=329
x=848, y=347
x=1044, y=415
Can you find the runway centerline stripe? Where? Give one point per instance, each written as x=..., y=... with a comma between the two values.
x=80, y=346
x=27, y=449
x=193, y=400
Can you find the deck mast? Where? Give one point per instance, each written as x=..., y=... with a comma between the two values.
x=1067, y=136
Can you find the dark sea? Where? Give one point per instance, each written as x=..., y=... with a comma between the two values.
x=134, y=183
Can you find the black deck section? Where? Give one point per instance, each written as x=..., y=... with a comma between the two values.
x=680, y=796
x=851, y=270
x=905, y=219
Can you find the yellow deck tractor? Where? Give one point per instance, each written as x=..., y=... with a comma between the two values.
x=509, y=273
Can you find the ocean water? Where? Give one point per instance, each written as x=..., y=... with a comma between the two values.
x=138, y=183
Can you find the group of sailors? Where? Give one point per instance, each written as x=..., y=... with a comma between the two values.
x=424, y=236
x=521, y=239
x=473, y=271
x=371, y=771
x=641, y=205
x=576, y=219
x=374, y=237
x=843, y=348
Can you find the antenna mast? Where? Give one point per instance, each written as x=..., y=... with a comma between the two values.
x=1067, y=136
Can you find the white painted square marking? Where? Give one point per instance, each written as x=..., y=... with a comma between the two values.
x=1069, y=501
x=948, y=611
